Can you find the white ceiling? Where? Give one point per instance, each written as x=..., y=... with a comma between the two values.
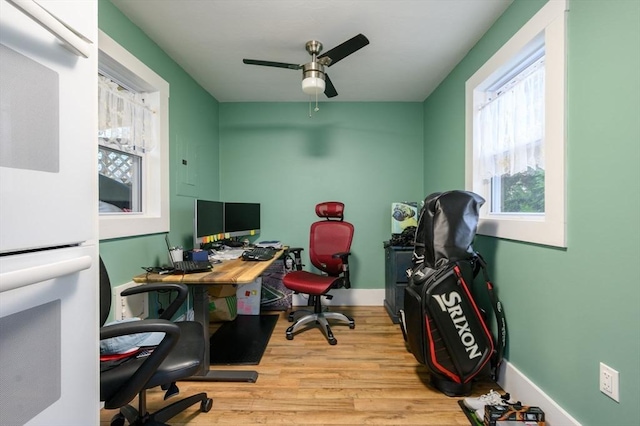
x=414, y=44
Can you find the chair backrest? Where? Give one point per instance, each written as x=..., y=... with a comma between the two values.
x=329, y=236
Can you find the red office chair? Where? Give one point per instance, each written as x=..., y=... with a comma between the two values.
x=329, y=245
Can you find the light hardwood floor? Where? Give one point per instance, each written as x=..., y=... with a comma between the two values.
x=367, y=378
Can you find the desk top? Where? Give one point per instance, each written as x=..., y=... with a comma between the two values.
x=236, y=271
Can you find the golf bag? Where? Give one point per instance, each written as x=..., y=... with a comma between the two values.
x=443, y=325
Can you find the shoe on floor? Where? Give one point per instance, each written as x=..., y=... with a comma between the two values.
x=492, y=398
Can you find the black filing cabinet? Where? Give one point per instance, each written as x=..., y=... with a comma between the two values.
x=396, y=261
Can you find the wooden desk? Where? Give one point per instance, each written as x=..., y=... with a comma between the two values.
x=230, y=272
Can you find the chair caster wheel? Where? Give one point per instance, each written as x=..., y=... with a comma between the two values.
x=205, y=406
x=333, y=341
x=289, y=336
x=290, y=317
x=352, y=326
x=117, y=420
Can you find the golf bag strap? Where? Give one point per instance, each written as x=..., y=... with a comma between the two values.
x=501, y=322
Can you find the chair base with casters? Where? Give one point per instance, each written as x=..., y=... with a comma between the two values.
x=302, y=318
x=134, y=418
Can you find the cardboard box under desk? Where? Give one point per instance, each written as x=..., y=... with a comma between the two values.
x=223, y=303
x=222, y=290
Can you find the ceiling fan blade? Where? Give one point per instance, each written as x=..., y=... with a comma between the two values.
x=329, y=89
x=345, y=49
x=272, y=64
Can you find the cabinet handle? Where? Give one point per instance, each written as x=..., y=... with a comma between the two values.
x=72, y=39
x=37, y=274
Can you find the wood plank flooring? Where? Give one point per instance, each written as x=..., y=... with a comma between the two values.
x=367, y=378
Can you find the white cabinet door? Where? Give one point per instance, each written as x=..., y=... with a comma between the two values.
x=48, y=107
x=49, y=338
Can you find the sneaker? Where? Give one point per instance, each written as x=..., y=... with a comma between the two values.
x=492, y=398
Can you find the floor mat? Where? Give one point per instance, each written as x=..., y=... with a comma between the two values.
x=243, y=340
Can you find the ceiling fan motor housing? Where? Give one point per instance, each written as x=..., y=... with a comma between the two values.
x=313, y=80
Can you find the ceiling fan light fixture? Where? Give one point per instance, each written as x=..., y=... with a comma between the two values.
x=313, y=85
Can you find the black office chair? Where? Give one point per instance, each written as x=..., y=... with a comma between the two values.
x=329, y=250
x=178, y=356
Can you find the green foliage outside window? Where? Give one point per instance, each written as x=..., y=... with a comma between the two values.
x=523, y=192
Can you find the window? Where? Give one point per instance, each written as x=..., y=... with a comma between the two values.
x=132, y=145
x=125, y=135
x=515, y=133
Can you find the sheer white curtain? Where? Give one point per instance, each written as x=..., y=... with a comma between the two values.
x=511, y=128
x=125, y=122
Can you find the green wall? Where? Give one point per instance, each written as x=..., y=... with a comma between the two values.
x=366, y=155
x=568, y=310
x=193, y=135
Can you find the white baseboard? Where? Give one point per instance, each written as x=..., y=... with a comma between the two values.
x=522, y=389
x=347, y=297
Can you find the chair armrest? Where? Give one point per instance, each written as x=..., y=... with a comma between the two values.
x=344, y=256
x=181, y=290
x=150, y=365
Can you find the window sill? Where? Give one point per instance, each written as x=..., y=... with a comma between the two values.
x=130, y=225
x=530, y=229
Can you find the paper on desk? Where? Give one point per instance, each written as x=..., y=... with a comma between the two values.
x=228, y=254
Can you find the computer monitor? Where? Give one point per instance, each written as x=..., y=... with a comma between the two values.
x=208, y=222
x=241, y=219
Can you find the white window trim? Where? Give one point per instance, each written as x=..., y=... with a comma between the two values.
x=155, y=204
x=550, y=23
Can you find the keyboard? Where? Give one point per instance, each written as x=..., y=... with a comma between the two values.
x=259, y=254
x=191, y=266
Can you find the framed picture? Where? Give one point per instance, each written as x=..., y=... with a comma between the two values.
x=403, y=215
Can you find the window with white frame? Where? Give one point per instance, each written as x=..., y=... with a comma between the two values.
x=125, y=135
x=133, y=143
x=515, y=133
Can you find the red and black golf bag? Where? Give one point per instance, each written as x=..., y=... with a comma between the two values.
x=443, y=325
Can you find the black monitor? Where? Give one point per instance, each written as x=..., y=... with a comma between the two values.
x=208, y=222
x=241, y=219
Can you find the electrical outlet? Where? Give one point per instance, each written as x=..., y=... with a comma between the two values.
x=609, y=380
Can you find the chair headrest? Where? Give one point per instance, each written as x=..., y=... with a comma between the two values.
x=330, y=210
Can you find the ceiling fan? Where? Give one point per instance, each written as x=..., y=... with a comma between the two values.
x=314, y=78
